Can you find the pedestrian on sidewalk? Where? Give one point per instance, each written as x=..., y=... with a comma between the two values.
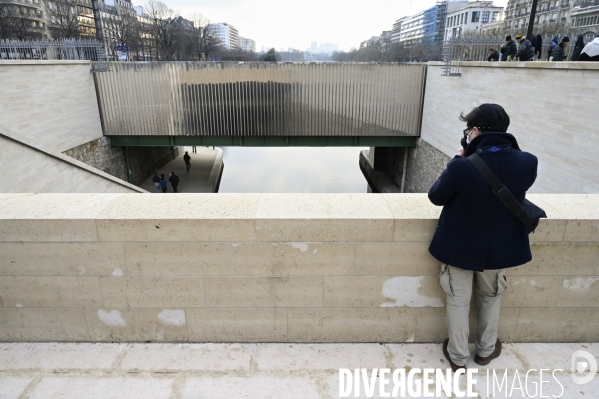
x=194, y=149
x=187, y=158
x=174, y=179
x=552, y=46
x=525, y=50
x=156, y=181
x=477, y=236
x=559, y=52
x=163, y=182
x=590, y=52
x=508, y=49
x=538, y=47
x=493, y=55
x=578, y=48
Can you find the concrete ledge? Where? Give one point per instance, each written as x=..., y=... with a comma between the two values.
x=575, y=65
x=44, y=62
x=271, y=268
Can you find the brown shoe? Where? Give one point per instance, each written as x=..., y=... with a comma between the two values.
x=454, y=366
x=483, y=361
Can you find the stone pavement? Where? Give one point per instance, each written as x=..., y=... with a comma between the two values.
x=169, y=371
x=201, y=176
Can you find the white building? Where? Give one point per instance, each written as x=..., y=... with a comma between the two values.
x=324, y=48
x=472, y=17
x=248, y=45
x=428, y=24
x=227, y=34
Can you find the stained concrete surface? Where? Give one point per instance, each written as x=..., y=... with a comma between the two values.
x=69, y=370
x=202, y=175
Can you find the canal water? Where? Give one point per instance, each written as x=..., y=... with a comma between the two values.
x=292, y=170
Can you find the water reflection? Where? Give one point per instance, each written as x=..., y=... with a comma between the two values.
x=292, y=170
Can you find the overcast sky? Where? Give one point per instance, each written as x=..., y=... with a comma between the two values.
x=297, y=23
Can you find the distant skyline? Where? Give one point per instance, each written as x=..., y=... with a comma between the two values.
x=293, y=23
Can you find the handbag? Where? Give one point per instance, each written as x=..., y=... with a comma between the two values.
x=527, y=212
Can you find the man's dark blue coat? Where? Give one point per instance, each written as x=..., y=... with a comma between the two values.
x=476, y=231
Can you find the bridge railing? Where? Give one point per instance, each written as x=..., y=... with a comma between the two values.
x=261, y=99
x=475, y=48
x=67, y=49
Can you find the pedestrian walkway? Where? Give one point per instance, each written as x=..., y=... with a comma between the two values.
x=260, y=371
x=202, y=176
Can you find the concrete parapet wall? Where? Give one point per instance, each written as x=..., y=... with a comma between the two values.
x=552, y=107
x=52, y=103
x=270, y=268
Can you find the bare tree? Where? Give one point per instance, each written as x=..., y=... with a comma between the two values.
x=164, y=29
x=8, y=21
x=205, y=41
x=63, y=20
x=121, y=30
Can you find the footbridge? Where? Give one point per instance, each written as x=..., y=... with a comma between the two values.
x=261, y=104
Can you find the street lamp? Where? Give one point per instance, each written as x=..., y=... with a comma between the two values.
x=531, y=22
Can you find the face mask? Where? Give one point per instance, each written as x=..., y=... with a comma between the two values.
x=468, y=139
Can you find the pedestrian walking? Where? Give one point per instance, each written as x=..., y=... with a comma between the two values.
x=174, y=179
x=559, y=52
x=508, y=49
x=187, y=158
x=194, y=149
x=578, y=47
x=552, y=46
x=525, y=51
x=163, y=185
x=590, y=52
x=477, y=236
x=156, y=181
x=538, y=47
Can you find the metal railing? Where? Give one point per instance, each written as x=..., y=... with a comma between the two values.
x=458, y=50
x=67, y=49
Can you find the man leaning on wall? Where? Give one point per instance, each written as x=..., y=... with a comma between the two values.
x=477, y=237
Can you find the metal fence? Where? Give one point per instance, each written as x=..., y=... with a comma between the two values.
x=68, y=49
x=261, y=99
x=458, y=50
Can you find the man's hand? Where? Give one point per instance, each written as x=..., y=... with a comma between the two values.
x=461, y=152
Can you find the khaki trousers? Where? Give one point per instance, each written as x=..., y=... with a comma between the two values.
x=457, y=284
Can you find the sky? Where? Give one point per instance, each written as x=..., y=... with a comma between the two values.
x=297, y=23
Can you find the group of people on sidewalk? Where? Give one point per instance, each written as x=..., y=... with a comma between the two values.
x=161, y=183
x=531, y=50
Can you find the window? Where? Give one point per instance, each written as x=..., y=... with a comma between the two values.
x=495, y=15
x=466, y=18
x=486, y=15
x=475, y=16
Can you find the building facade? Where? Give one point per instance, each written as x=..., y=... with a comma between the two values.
x=227, y=34
x=246, y=44
x=27, y=19
x=472, y=18
x=578, y=15
x=427, y=25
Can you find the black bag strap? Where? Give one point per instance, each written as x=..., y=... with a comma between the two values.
x=501, y=191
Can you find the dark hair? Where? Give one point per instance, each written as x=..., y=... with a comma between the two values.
x=161, y=175
x=491, y=49
x=488, y=118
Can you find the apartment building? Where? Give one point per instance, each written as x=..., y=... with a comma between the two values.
x=227, y=34
x=472, y=17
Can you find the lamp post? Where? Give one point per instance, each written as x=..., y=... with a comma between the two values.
x=531, y=22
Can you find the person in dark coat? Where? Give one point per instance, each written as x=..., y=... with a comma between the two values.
x=156, y=181
x=493, y=55
x=187, y=158
x=590, y=52
x=559, y=53
x=163, y=185
x=578, y=48
x=508, y=49
x=174, y=179
x=552, y=46
x=525, y=51
x=538, y=47
x=477, y=237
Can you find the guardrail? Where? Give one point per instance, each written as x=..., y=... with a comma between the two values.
x=67, y=49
